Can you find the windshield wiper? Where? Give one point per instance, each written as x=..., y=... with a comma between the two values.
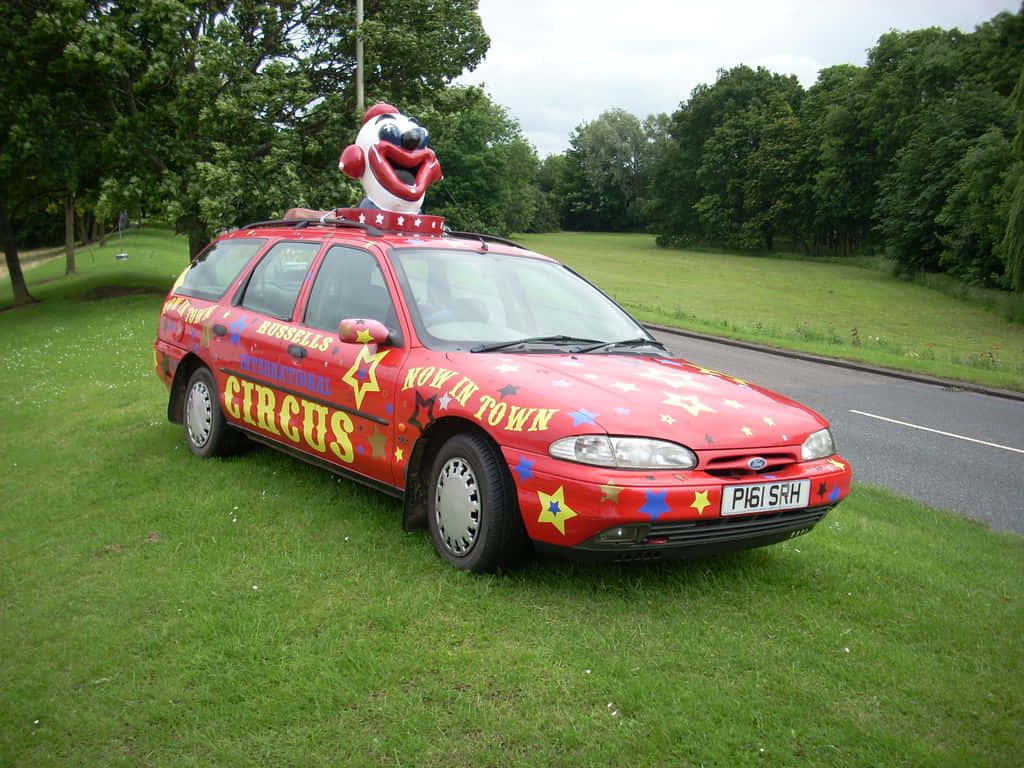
x=556, y=341
x=607, y=346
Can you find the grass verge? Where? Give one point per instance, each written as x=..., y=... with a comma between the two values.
x=849, y=311
x=166, y=611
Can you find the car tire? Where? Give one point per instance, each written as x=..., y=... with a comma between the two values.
x=472, y=513
x=206, y=431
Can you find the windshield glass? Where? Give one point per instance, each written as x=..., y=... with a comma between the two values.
x=466, y=299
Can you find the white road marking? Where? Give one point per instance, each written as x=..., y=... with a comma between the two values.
x=937, y=431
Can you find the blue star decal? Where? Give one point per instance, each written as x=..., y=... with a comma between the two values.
x=236, y=329
x=524, y=468
x=834, y=495
x=553, y=508
x=655, y=505
x=582, y=416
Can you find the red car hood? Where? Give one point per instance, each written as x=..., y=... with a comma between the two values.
x=633, y=395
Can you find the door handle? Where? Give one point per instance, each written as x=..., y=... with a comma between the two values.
x=220, y=330
x=296, y=351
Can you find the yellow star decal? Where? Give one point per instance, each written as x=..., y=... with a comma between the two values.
x=769, y=421
x=363, y=336
x=700, y=501
x=610, y=492
x=377, y=443
x=360, y=388
x=554, y=510
x=398, y=454
x=747, y=431
x=675, y=380
x=837, y=464
x=667, y=419
x=689, y=403
x=733, y=404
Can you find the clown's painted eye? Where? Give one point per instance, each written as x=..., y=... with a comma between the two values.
x=389, y=132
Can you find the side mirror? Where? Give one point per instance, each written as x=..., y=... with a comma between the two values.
x=360, y=331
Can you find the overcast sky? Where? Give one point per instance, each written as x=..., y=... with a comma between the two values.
x=557, y=63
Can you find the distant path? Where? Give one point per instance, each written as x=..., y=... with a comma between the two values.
x=35, y=257
x=961, y=451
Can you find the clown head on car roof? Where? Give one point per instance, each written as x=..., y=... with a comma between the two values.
x=391, y=160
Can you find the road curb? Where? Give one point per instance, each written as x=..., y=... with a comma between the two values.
x=959, y=386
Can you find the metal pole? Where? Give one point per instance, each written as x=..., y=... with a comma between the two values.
x=360, y=103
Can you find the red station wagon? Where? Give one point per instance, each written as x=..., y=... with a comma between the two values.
x=504, y=398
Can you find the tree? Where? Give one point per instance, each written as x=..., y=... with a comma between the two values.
x=489, y=168
x=232, y=111
x=44, y=122
x=840, y=191
x=748, y=174
x=606, y=173
x=681, y=203
x=1012, y=246
x=973, y=220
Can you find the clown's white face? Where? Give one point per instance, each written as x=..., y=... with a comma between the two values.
x=399, y=164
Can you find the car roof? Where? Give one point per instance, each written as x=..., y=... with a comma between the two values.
x=345, y=229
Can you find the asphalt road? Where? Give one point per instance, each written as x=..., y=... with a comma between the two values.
x=961, y=451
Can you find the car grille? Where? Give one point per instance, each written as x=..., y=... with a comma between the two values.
x=737, y=464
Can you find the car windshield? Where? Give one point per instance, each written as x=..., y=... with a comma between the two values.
x=489, y=301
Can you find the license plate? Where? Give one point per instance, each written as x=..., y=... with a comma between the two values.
x=765, y=497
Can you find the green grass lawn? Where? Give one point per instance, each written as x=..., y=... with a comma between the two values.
x=840, y=310
x=159, y=610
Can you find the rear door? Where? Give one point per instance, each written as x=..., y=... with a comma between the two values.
x=264, y=379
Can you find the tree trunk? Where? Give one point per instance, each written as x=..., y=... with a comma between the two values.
x=101, y=231
x=20, y=290
x=69, y=233
x=83, y=229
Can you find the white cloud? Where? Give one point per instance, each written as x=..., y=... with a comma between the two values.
x=558, y=63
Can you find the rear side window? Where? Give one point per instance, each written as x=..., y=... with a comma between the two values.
x=216, y=268
x=275, y=283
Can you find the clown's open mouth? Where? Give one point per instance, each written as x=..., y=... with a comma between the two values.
x=404, y=173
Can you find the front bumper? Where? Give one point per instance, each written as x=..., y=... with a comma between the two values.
x=697, y=538
x=599, y=514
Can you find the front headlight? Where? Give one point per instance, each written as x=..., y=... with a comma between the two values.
x=818, y=446
x=623, y=452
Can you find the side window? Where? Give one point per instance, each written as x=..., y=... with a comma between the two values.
x=277, y=279
x=349, y=285
x=209, y=276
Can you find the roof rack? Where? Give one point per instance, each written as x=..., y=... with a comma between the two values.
x=484, y=238
x=325, y=221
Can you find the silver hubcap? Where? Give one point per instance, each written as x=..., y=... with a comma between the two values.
x=199, y=414
x=457, y=506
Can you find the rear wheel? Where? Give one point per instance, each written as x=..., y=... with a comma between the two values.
x=473, y=516
x=206, y=431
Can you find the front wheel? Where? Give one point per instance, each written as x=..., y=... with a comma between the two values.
x=206, y=431
x=473, y=516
